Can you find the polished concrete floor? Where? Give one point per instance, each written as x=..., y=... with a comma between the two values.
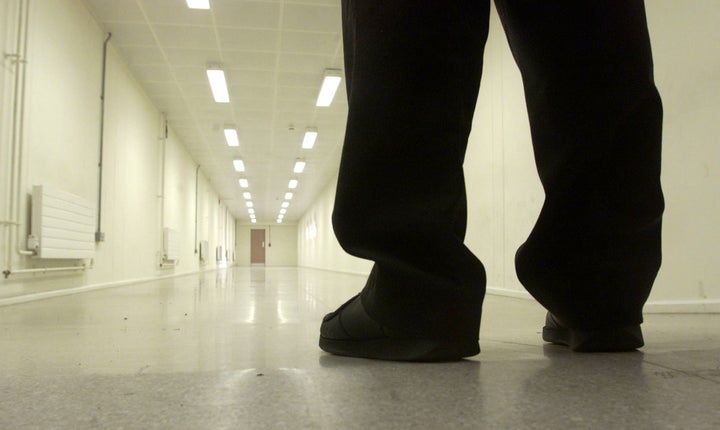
x=238, y=349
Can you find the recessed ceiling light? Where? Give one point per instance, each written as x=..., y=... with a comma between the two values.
x=288, y=196
x=249, y=204
x=299, y=166
x=198, y=4
x=251, y=211
x=253, y=220
x=238, y=165
x=310, y=138
x=283, y=211
x=218, y=85
x=247, y=196
x=293, y=184
x=330, y=84
x=279, y=221
x=243, y=182
x=231, y=137
x=285, y=204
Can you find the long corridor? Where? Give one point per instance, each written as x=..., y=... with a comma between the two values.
x=237, y=349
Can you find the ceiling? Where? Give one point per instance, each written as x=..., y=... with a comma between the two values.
x=274, y=53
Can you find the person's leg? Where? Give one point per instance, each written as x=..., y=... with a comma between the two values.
x=596, y=120
x=413, y=72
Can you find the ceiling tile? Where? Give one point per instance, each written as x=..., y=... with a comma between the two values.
x=249, y=14
x=181, y=57
x=248, y=40
x=175, y=12
x=186, y=37
x=300, y=42
x=312, y=18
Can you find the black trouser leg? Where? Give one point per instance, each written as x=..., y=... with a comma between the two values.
x=413, y=71
x=596, y=118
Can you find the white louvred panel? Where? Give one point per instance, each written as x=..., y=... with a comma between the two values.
x=171, y=244
x=63, y=224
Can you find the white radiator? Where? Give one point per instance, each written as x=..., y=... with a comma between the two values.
x=63, y=224
x=171, y=244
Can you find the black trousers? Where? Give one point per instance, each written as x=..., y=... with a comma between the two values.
x=413, y=71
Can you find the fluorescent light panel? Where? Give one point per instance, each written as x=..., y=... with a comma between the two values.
x=299, y=166
x=285, y=205
x=293, y=184
x=249, y=204
x=238, y=165
x=283, y=211
x=329, y=88
x=231, y=137
x=310, y=138
x=218, y=85
x=288, y=196
x=198, y=4
x=243, y=183
x=247, y=196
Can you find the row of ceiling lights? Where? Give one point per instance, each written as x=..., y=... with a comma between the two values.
x=218, y=86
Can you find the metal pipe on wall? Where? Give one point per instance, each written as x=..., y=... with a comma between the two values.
x=197, y=173
x=19, y=60
x=99, y=235
x=8, y=273
x=161, y=191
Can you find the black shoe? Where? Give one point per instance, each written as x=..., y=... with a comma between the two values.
x=351, y=332
x=612, y=339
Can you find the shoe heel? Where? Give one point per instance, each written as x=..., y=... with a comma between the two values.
x=613, y=339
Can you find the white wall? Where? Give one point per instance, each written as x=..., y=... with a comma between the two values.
x=504, y=193
x=281, y=240
x=317, y=246
x=148, y=180
x=686, y=44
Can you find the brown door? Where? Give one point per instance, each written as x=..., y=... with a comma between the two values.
x=257, y=246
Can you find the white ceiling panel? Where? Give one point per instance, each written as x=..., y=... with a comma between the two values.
x=248, y=14
x=175, y=12
x=182, y=57
x=311, y=17
x=300, y=42
x=182, y=36
x=248, y=40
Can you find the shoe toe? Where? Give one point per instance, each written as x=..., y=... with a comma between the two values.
x=350, y=322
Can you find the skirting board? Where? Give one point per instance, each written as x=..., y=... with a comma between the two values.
x=651, y=307
x=85, y=288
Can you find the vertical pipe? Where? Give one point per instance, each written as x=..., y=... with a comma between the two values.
x=197, y=172
x=161, y=196
x=16, y=141
x=99, y=235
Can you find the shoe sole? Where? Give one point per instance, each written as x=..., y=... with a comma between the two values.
x=394, y=349
x=618, y=339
